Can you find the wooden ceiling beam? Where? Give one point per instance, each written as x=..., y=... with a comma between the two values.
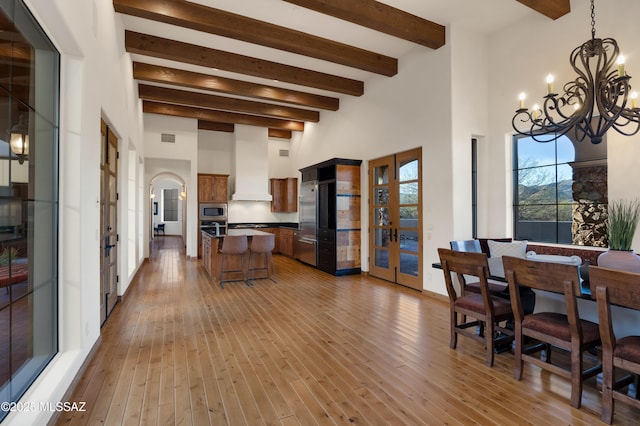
x=214, y=21
x=554, y=9
x=204, y=100
x=220, y=116
x=159, y=74
x=216, y=127
x=159, y=47
x=380, y=17
x=279, y=133
x=230, y=128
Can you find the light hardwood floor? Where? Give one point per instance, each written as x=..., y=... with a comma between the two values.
x=311, y=349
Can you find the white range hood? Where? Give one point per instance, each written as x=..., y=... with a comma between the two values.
x=251, y=164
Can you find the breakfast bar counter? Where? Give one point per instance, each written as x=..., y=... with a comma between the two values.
x=212, y=258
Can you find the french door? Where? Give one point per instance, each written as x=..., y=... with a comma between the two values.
x=395, y=218
x=108, y=222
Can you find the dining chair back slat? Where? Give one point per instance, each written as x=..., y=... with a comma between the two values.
x=621, y=288
x=544, y=330
x=487, y=310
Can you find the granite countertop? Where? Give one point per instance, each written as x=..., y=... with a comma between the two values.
x=258, y=225
x=249, y=232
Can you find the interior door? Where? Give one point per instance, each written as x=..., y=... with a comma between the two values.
x=395, y=218
x=108, y=222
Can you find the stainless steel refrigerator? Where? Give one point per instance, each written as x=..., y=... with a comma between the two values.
x=306, y=243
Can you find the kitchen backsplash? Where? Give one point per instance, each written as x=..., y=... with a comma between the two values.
x=256, y=212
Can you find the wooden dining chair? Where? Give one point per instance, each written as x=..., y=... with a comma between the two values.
x=550, y=329
x=620, y=288
x=485, y=309
x=473, y=286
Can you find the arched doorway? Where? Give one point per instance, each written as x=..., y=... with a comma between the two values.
x=168, y=208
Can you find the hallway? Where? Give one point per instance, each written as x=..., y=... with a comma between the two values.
x=311, y=349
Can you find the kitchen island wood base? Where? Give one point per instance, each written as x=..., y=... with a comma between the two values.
x=212, y=258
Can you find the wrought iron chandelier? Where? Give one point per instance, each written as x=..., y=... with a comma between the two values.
x=594, y=102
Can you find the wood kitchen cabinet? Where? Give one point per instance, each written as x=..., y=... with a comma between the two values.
x=285, y=241
x=213, y=188
x=285, y=195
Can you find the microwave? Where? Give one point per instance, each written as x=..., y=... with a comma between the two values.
x=213, y=211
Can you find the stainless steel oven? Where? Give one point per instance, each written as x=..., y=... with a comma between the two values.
x=213, y=211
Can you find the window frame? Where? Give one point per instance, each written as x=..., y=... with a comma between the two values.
x=168, y=202
x=585, y=155
x=33, y=302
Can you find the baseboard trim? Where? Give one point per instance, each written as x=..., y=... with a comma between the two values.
x=76, y=379
x=437, y=296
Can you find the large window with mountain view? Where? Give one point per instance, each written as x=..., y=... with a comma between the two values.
x=560, y=191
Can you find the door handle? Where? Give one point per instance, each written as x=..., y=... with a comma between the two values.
x=107, y=247
x=395, y=234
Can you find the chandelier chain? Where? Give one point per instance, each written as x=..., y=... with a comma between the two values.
x=593, y=20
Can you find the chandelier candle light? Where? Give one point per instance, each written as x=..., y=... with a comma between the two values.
x=594, y=102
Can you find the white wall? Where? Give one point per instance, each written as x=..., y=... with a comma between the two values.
x=215, y=152
x=469, y=75
x=179, y=158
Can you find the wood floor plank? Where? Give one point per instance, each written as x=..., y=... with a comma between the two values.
x=311, y=349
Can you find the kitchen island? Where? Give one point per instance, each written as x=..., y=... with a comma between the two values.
x=212, y=258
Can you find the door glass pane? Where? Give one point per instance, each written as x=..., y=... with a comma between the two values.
x=382, y=196
x=381, y=237
x=381, y=216
x=409, y=193
x=113, y=161
x=409, y=171
x=381, y=258
x=409, y=264
x=409, y=240
x=381, y=175
x=112, y=187
x=409, y=213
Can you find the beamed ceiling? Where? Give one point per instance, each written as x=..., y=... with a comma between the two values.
x=281, y=63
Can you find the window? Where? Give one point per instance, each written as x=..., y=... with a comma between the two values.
x=170, y=202
x=29, y=108
x=560, y=190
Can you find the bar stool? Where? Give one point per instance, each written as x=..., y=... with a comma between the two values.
x=262, y=245
x=234, y=245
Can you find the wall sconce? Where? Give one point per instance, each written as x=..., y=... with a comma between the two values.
x=183, y=193
x=19, y=141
